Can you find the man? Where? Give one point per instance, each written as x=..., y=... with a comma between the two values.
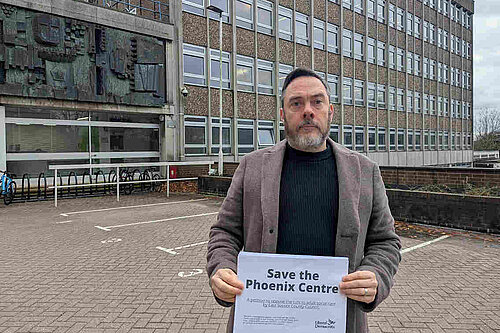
x=308, y=195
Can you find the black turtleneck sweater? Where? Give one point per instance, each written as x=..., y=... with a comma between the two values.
x=309, y=200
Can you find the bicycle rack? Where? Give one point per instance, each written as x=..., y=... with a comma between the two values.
x=39, y=192
x=99, y=172
x=86, y=173
x=111, y=180
x=72, y=173
x=23, y=196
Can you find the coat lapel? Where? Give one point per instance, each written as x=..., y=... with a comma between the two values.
x=348, y=170
x=270, y=190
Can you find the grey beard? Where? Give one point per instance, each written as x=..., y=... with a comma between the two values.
x=303, y=142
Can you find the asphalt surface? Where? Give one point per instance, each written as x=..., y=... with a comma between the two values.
x=138, y=265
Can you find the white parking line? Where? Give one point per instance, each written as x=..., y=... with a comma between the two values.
x=62, y=222
x=108, y=228
x=424, y=244
x=127, y=207
x=172, y=252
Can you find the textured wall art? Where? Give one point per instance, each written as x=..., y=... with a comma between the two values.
x=47, y=56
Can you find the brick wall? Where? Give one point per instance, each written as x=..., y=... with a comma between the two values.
x=447, y=210
x=452, y=177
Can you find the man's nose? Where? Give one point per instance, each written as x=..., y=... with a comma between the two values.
x=308, y=111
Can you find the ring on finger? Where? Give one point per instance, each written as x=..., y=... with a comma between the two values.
x=366, y=292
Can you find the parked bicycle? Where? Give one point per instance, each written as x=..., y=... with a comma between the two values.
x=8, y=187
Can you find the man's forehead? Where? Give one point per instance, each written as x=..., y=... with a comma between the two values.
x=305, y=85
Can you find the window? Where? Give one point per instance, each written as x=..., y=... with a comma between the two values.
x=347, y=43
x=417, y=64
x=371, y=8
x=215, y=69
x=226, y=135
x=347, y=4
x=432, y=140
x=392, y=57
x=360, y=138
x=371, y=50
x=381, y=11
x=333, y=84
x=445, y=107
x=417, y=26
x=417, y=102
x=432, y=69
x=334, y=133
x=452, y=44
x=392, y=139
x=359, y=41
x=418, y=140
x=319, y=34
x=245, y=136
x=432, y=33
x=244, y=13
x=392, y=15
x=440, y=105
x=348, y=136
x=410, y=139
x=372, y=93
x=400, y=59
x=432, y=104
x=194, y=64
x=426, y=139
x=302, y=28
x=446, y=142
x=333, y=38
x=400, y=19
x=245, y=74
x=266, y=77
x=285, y=23
x=195, y=135
x=222, y=4
x=266, y=134
x=193, y=6
x=392, y=98
x=265, y=22
x=401, y=139
x=381, y=96
x=445, y=73
x=409, y=101
x=426, y=67
x=409, y=23
x=381, y=138
x=401, y=100
x=359, y=87
x=440, y=140
x=445, y=40
x=358, y=6
x=284, y=70
x=409, y=62
x=426, y=31
x=372, y=136
x=426, y=104
x=440, y=37
x=380, y=53
x=347, y=91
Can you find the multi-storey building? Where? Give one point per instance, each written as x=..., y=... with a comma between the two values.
x=129, y=81
x=399, y=71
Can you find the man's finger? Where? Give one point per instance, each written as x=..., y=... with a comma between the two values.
x=358, y=275
x=367, y=283
x=229, y=277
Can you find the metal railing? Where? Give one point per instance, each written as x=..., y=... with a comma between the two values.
x=152, y=9
x=119, y=179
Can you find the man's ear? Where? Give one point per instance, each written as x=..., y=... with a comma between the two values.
x=282, y=115
x=330, y=112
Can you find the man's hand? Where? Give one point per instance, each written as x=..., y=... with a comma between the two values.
x=225, y=285
x=360, y=286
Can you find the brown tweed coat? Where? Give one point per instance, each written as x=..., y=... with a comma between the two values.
x=248, y=219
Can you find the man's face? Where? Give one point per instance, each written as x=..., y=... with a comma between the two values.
x=306, y=114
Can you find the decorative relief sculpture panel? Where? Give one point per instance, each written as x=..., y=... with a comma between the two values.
x=47, y=56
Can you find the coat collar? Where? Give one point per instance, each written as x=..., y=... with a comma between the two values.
x=348, y=170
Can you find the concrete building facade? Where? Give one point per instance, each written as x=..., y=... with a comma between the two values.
x=113, y=81
x=399, y=71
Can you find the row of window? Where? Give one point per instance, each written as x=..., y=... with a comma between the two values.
x=244, y=10
x=353, y=90
x=378, y=139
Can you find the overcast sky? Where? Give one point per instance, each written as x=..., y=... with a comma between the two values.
x=487, y=54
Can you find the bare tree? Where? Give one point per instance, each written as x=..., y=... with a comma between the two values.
x=486, y=121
